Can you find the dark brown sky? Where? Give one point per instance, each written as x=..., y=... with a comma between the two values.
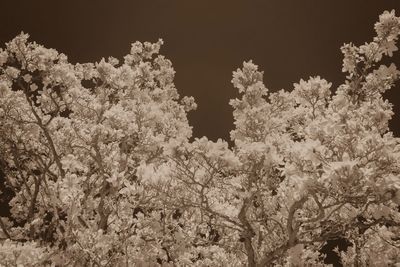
x=207, y=40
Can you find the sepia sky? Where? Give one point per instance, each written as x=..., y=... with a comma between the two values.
x=206, y=40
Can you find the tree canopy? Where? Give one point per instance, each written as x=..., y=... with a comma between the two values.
x=100, y=169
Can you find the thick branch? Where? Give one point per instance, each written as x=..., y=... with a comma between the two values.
x=247, y=234
x=292, y=231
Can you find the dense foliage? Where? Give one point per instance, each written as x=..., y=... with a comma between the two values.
x=100, y=169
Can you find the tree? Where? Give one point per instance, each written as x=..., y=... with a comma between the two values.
x=103, y=171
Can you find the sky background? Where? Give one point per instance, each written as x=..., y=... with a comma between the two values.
x=207, y=40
